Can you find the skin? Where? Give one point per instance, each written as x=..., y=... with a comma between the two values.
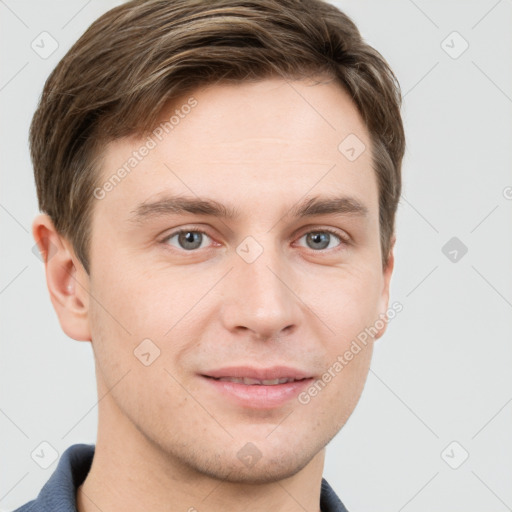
x=165, y=436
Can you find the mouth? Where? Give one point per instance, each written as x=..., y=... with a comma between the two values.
x=266, y=376
x=255, y=382
x=258, y=388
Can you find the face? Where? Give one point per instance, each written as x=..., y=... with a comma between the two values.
x=241, y=249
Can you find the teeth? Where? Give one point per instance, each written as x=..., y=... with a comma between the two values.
x=250, y=382
x=232, y=379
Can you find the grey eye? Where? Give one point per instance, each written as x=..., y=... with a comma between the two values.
x=188, y=240
x=319, y=240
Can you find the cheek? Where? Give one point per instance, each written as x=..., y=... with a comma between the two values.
x=334, y=396
x=347, y=300
x=137, y=312
x=348, y=305
x=140, y=302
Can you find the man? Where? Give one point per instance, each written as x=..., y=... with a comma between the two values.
x=219, y=182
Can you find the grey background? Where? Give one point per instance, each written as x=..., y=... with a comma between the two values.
x=442, y=372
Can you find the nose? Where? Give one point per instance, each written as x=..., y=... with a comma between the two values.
x=260, y=298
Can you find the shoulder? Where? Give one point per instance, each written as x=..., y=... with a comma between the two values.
x=31, y=506
x=59, y=492
x=329, y=501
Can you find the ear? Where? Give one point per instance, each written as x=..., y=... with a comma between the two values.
x=66, y=278
x=384, y=298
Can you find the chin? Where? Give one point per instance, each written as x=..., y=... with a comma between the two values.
x=264, y=471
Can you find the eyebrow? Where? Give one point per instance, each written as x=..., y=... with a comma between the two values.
x=343, y=205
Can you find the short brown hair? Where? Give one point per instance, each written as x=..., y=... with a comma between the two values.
x=132, y=61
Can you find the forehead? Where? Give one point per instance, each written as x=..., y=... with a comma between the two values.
x=244, y=140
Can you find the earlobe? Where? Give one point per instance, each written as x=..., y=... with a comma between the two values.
x=67, y=281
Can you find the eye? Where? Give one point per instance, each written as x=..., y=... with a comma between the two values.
x=323, y=239
x=193, y=239
x=186, y=239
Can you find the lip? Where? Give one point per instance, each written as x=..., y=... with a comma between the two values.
x=258, y=396
x=274, y=372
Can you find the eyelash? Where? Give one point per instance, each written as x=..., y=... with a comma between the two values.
x=344, y=240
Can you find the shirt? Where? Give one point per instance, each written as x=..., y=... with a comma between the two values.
x=59, y=492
